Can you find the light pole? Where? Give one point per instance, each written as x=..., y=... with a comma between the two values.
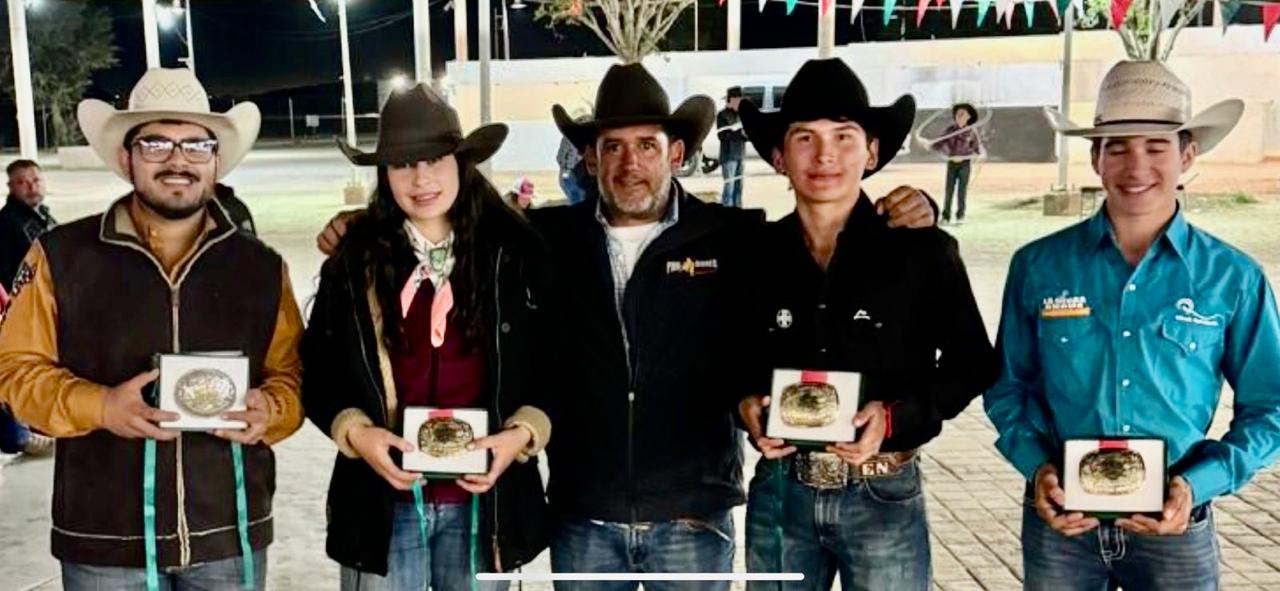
x=150, y=36
x=348, y=102
x=165, y=19
x=422, y=40
x=27, y=145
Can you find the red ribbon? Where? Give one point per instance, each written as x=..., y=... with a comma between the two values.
x=819, y=377
x=442, y=413
x=1113, y=444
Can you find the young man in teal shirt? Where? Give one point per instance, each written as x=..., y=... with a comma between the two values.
x=1125, y=325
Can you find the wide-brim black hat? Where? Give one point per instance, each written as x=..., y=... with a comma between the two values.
x=629, y=96
x=828, y=89
x=417, y=124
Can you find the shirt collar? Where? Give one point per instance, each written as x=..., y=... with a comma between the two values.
x=1176, y=233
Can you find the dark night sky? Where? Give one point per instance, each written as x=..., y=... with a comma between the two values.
x=250, y=47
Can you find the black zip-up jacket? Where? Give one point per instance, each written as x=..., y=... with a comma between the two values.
x=895, y=305
x=341, y=370
x=20, y=225
x=644, y=428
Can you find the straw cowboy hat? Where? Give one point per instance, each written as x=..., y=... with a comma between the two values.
x=629, y=95
x=1145, y=97
x=175, y=94
x=416, y=124
x=828, y=89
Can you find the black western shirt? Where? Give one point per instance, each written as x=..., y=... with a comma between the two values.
x=894, y=305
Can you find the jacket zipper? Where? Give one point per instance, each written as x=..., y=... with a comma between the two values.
x=364, y=354
x=175, y=287
x=497, y=397
x=631, y=415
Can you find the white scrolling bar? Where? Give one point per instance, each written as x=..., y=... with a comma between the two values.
x=544, y=577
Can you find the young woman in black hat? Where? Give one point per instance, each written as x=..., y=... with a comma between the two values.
x=433, y=299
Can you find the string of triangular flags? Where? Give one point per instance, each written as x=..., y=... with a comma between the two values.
x=1227, y=10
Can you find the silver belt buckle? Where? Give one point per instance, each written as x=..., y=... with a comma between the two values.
x=822, y=470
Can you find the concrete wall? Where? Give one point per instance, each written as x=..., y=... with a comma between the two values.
x=993, y=72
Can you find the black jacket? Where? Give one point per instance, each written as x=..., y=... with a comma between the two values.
x=644, y=427
x=341, y=360
x=893, y=304
x=20, y=225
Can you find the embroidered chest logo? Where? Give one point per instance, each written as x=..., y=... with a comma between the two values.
x=1065, y=305
x=1187, y=313
x=784, y=318
x=692, y=268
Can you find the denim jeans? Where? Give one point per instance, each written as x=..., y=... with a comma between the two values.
x=873, y=532
x=220, y=575
x=957, y=183
x=13, y=435
x=731, y=170
x=1109, y=556
x=573, y=191
x=682, y=546
x=442, y=566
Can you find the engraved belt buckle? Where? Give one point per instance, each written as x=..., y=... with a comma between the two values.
x=822, y=470
x=1112, y=472
x=444, y=436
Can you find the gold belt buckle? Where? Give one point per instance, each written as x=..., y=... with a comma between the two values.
x=822, y=470
x=884, y=465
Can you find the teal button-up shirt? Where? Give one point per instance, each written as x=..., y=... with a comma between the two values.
x=1091, y=346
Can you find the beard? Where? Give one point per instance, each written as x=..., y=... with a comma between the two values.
x=648, y=207
x=166, y=207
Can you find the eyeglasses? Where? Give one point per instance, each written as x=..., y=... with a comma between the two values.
x=157, y=149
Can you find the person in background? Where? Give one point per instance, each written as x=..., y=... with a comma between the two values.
x=961, y=144
x=732, y=140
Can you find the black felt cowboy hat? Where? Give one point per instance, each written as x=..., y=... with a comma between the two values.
x=828, y=89
x=628, y=96
x=416, y=124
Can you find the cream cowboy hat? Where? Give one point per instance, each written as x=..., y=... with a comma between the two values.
x=1144, y=97
x=168, y=94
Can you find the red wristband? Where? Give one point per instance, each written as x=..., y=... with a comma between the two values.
x=888, y=419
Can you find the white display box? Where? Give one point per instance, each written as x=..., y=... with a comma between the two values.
x=797, y=393
x=201, y=388
x=447, y=431
x=1114, y=476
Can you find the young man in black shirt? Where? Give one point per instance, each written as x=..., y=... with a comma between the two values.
x=839, y=291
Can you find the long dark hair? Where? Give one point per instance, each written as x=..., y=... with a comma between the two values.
x=377, y=243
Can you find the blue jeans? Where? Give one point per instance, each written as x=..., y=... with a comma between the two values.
x=682, y=546
x=13, y=435
x=219, y=575
x=1109, y=556
x=731, y=170
x=957, y=185
x=873, y=532
x=443, y=566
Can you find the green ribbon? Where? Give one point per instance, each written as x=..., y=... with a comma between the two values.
x=475, y=536
x=780, y=484
x=421, y=522
x=149, y=513
x=242, y=516
x=473, y=545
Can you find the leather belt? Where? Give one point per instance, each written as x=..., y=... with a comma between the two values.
x=824, y=470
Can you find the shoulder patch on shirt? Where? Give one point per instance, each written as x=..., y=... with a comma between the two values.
x=1065, y=305
x=1187, y=313
x=26, y=273
x=692, y=268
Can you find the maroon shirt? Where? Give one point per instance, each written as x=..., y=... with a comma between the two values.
x=961, y=144
x=446, y=377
